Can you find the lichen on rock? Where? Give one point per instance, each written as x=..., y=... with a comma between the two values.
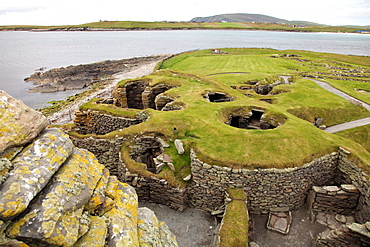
x=152, y=232
x=57, y=214
x=33, y=169
x=122, y=218
x=19, y=124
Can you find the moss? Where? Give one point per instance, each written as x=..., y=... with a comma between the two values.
x=235, y=224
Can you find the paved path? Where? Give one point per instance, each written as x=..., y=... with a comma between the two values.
x=348, y=125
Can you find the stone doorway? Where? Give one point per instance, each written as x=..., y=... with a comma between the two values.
x=217, y=97
x=145, y=151
x=251, y=120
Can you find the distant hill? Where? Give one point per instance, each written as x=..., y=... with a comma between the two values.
x=250, y=18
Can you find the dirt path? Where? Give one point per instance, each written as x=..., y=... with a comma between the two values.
x=348, y=125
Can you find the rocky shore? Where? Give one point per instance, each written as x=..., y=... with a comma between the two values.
x=141, y=67
x=82, y=76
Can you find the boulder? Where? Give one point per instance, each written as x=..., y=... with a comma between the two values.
x=57, y=215
x=19, y=124
x=152, y=232
x=122, y=218
x=179, y=146
x=33, y=169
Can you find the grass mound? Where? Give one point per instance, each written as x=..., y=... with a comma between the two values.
x=201, y=124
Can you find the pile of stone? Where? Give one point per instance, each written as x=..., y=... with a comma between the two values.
x=54, y=194
x=354, y=235
x=338, y=199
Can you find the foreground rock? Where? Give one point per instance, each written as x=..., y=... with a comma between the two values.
x=19, y=124
x=82, y=76
x=54, y=194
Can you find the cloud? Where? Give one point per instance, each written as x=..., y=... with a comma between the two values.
x=18, y=10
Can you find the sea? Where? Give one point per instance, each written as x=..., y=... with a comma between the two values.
x=22, y=53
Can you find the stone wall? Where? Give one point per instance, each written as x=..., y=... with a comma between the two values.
x=341, y=199
x=157, y=190
x=107, y=151
x=353, y=235
x=347, y=172
x=138, y=94
x=267, y=189
x=149, y=189
x=94, y=122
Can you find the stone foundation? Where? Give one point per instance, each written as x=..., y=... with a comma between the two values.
x=139, y=95
x=337, y=199
x=94, y=122
x=267, y=189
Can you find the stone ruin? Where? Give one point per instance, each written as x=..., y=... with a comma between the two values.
x=217, y=97
x=149, y=150
x=251, y=120
x=139, y=94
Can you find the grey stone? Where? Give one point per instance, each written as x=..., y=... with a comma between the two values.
x=171, y=166
x=253, y=244
x=33, y=169
x=179, y=146
x=187, y=178
x=331, y=188
x=281, y=224
x=70, y=190
x=349, y=188
x=19, y=124
x=341, y=218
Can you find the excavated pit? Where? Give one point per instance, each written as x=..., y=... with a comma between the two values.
x=217, y=97
x=252, y=120
x=145, y=150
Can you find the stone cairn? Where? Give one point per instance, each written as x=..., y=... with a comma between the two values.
x=54, y=194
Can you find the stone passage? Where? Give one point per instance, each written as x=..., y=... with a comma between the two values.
x=251, y=120
x=145, y=151
x=139, y=94
x=217, y=97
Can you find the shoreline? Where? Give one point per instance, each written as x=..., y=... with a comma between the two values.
x=67, y=114
x=162, y=29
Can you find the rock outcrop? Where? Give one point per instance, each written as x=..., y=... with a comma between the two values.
x=54, y=194
x=81, y=76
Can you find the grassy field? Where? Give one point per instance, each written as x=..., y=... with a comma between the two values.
x=201, y=124
x=135, y=25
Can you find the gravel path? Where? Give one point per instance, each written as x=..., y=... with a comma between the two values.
x=67, y=115
x=348, y=125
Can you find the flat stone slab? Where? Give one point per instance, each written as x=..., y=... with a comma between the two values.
x=349, y=188
x=279, y=221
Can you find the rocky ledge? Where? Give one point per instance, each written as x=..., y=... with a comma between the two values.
x=54, y=194
x=82, y=76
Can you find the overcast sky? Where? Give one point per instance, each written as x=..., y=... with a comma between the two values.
x=65, y=12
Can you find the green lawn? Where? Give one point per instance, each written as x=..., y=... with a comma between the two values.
x=201, y=124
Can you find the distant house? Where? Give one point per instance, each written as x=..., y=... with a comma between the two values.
x=363, y=31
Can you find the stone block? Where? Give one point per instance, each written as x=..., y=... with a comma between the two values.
x=179, y=146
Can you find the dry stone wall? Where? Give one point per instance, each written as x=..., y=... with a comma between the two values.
x=349, y=173
x=94, y=122
x=338, y=199
x=107, y=151
x=267, y=189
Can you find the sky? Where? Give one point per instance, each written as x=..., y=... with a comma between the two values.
x=68, y=12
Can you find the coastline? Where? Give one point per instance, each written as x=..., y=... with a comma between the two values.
x=67, y=114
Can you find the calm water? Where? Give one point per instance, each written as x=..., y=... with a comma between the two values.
x=23, y=52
